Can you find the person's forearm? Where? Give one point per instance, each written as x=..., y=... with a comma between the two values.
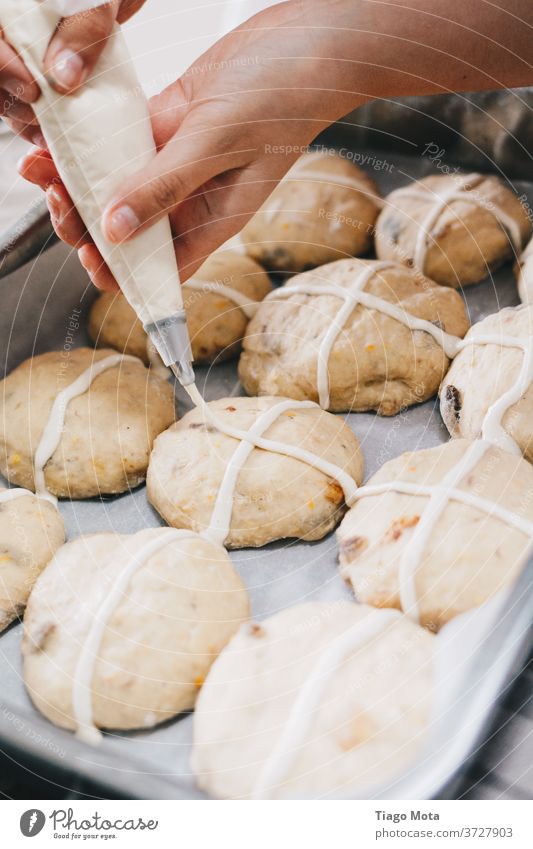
x=278, y=80
x=330, y=57
x=436, y=46
x=362, y=49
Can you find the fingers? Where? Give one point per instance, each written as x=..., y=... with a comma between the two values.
x=71, y=229
x=65, y=218
x=76, y=47
x=30, y=133
x=15, y=109
x=14, y=76
x=128, y=8
x=16, y=91
x=38, y=167
x=94, y=265
x=175, y=173
x=212, y=216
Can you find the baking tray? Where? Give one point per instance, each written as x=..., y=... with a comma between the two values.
x=38, y=301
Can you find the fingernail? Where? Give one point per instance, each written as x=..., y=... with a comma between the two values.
x=56, y=196
x=39, y=140
x=54, y=204
x=69, y=69
x=84, y=262
x=21, y=164
x=121, y=223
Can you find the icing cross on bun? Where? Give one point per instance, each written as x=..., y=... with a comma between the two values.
x=82, y=424
x=247, y=471
x=488, y=390
x=324, y=209
x=454, y=228
x=128, y=639
x=439, y=531
x=354, y=335
x=317, y=701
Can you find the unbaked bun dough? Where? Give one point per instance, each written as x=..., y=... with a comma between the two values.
x=31, y=531
x=524, y=274
x=319, y=700
x=323, y=210
x=453, y=228
x=488, y=390
x=196, y=478
x=343, y=334
x=120, y=630
x=108, y=429
x=439, y=531
x=219, y=301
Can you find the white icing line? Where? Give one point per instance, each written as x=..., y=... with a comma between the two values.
x=525, y=274
x=492, y=428
x=492, y=509
x=11, y=494
x=300, y=718
x=220, y=524
x=351, y=297
x=325, y=177
x=494, y=339
x=53, y=429
x=84, y=670
x=302, y=173
x=235, y=243
x=448, y=342
x=248, y=306
x=272, y=210
x=492, y=433
x=440, y=496
x=463, y=191
x=305, y=168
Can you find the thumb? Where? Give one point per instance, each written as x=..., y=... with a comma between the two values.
x=178, y=171
x=76, y=46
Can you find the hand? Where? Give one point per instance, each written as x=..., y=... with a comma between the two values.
x=214, y=129
x=232, y=126
x=71, y=56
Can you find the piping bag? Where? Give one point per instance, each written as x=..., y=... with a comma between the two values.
x=99, y=136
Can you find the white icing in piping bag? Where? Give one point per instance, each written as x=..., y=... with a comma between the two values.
x=98, y=137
